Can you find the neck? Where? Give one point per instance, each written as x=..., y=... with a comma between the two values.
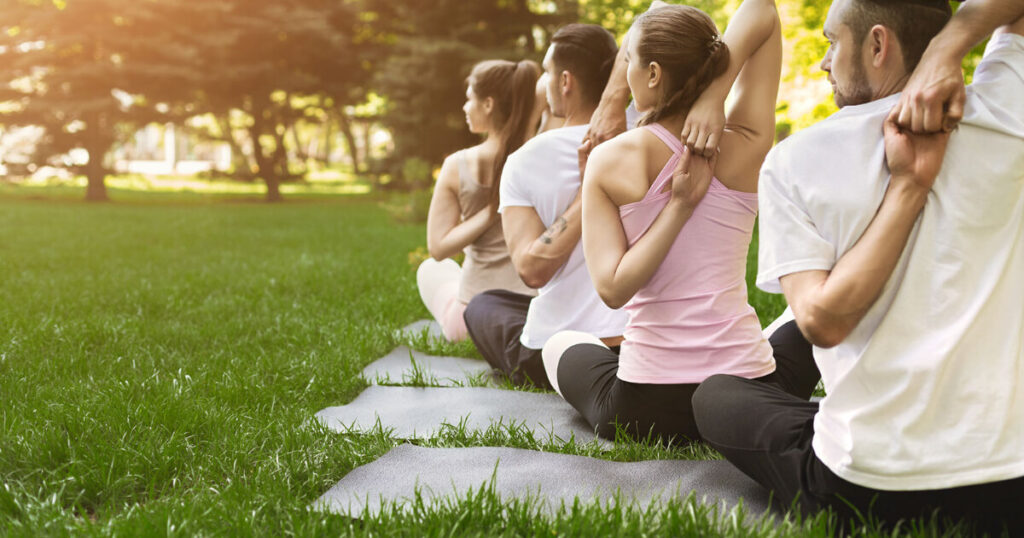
x=578, y=114
x=890, y=85
x=492, y=141
x=674, y=123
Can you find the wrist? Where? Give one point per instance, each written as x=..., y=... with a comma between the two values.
x=907, y=191
x=680, y=206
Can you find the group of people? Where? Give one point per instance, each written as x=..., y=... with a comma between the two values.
x=606, y=242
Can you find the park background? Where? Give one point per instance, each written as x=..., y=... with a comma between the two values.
x=161, y=353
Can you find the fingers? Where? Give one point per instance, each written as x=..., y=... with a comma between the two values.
x=691, y=139
x=905, y=112
x=955, y=112
x=583, y=153
x=711, y=149
x=702, y=140
x=894, y=120
x=917, y=114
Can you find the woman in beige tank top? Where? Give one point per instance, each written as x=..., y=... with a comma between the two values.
x=500, y=104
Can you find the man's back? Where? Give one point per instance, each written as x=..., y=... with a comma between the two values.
x=928, y=382
x=544, y=175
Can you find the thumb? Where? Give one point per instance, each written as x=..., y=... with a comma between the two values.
x=684, y=161
x=891, y=125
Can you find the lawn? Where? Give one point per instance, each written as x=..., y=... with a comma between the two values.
x=161, y=358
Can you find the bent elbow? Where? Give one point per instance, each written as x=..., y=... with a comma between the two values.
x=436, y=253
x=534, y=275
x=610, y=297
x=612, y=301
x=533, y=280
x=820, y=333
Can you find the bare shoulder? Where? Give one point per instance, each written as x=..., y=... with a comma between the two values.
x=448, y=177
x=619, y=154
x=618, y=167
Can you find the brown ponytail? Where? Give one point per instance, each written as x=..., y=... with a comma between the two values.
x=684, y=41
x=513, y=87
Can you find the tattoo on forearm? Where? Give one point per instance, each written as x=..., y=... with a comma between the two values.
x=556, y=228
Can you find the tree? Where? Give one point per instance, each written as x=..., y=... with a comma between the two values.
x=265, y=58
x=78, y=68
x=434, y=44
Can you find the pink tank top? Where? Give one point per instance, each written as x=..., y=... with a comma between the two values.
x=692, y=319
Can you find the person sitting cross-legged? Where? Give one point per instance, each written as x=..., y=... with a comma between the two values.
x=666, y=231
x=901, y=254
x=500, y=103
x=540, y=215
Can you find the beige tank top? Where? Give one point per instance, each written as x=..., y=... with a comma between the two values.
x=488, y=265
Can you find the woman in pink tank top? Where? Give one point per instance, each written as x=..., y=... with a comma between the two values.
x=666, y=231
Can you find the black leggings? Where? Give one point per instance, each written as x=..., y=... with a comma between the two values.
x=767, y=434
x=587, y=379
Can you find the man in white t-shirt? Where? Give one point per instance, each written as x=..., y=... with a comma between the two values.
x=903, y=262
x=540, y=214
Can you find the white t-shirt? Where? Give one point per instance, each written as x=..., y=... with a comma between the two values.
x=544, y=174
x=928, y=390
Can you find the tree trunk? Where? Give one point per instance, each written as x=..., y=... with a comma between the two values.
x=300, y=151
x=265, y=164
x=96, y=175
x=96, y=189
x=350, y=141
x=281, y=153
x=326, y=149
x=239, y=159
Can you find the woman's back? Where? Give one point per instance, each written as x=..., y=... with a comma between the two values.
x=692, y=319
x=488, y=264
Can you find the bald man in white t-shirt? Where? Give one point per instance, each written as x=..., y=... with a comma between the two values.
x=903, y=261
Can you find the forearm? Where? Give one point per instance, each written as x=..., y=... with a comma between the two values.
x=973, y=22
x=640, y=261
x=616, y=92
x=830, y=313
x=461, y=235
x=546, y=254
x=748, y=31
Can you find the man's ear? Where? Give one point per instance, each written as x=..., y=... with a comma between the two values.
x=883, y=46
x=654, y=74
x=568, y=82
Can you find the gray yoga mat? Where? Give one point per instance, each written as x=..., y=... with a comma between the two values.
x=404, y=365
x=415, y=328
x=420, y=413
x=551, y=479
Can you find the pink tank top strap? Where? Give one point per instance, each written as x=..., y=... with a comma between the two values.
x=670, y=140
x=676, y=146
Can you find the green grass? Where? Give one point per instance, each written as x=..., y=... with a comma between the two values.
x=161, y=358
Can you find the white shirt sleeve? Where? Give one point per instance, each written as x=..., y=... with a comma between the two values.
x=788, y=240
x=512, y=192
x=999, y=78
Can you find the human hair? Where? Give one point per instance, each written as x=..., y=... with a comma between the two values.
x=512, y=86
x=685, y=42
x=588, y=52
x=914, y=23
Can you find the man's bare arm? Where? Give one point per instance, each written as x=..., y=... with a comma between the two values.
x=609, y=119
x=538, y=253
x=829, y=305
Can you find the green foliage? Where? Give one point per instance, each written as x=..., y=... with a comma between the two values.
x=80, y=69
x=433, y=47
